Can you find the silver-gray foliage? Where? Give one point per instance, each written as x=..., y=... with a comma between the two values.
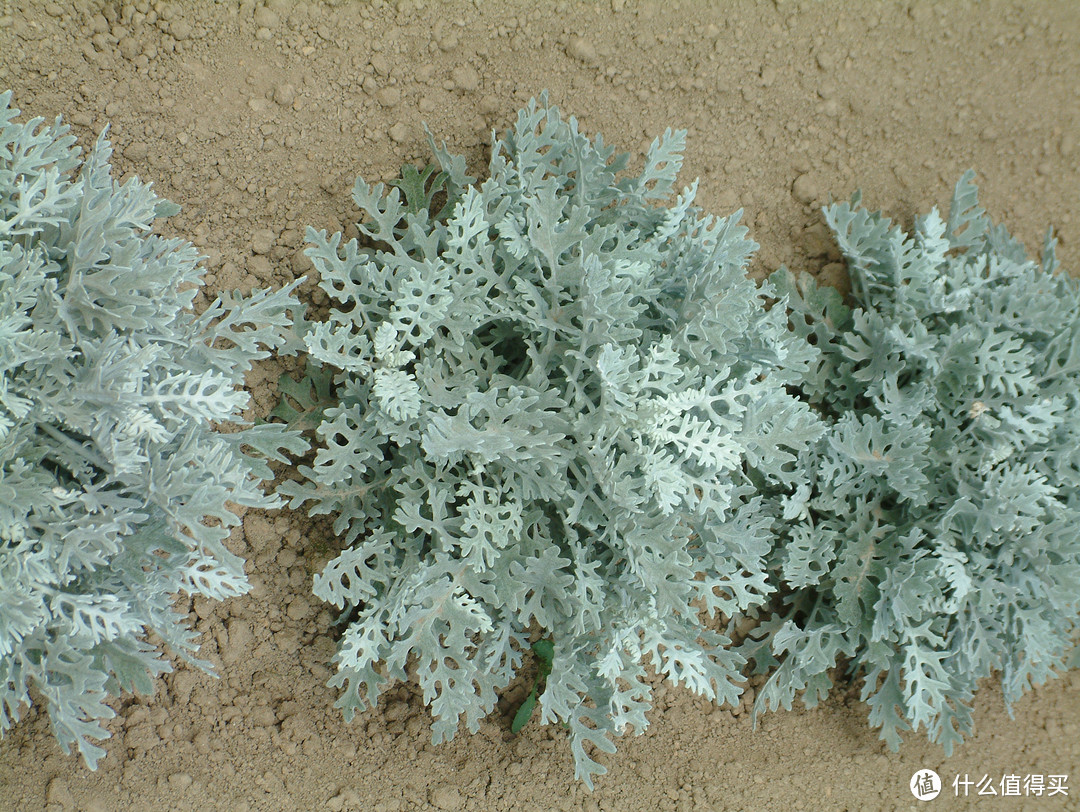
x=553, y=404
x=937, y=537
x=109, y=467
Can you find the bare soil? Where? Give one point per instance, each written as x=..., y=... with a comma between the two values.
x=257, y=118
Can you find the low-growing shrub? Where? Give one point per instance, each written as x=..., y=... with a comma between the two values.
x=937, y=538
x=113, y=484
x=545, y=405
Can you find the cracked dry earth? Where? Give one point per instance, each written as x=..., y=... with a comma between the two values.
x=256, y=118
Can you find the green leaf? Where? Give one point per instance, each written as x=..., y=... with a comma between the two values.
x=420, y=187
x=304, y=403
x=545, y=651
x=524, y=712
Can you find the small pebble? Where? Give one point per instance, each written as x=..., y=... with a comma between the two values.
x=581, y=49
x=388, y=96
x=285, y=94
x=137, y=151
x=129, y=48
x=446, y=797
x=380, y=64
x=399, y=133
x=265, y=18
x=180, y=781
x=347, y=798
x=465, y=78
x=804, y=189
x=180, y=30
x=299, y=609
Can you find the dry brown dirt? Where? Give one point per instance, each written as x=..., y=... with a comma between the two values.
x=256, y=118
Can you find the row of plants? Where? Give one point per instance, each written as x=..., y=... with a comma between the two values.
x=549, y=415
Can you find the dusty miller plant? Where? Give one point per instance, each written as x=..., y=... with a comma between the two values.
x=545, y=405
x=113, y=485
x=936, y=539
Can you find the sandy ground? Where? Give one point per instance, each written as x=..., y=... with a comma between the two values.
x=257, y=118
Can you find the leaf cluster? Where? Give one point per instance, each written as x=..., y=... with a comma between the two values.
x=113, y=485
x=935, y=538
x=553, y=402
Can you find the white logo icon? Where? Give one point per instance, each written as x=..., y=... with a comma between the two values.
x=925, y=785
